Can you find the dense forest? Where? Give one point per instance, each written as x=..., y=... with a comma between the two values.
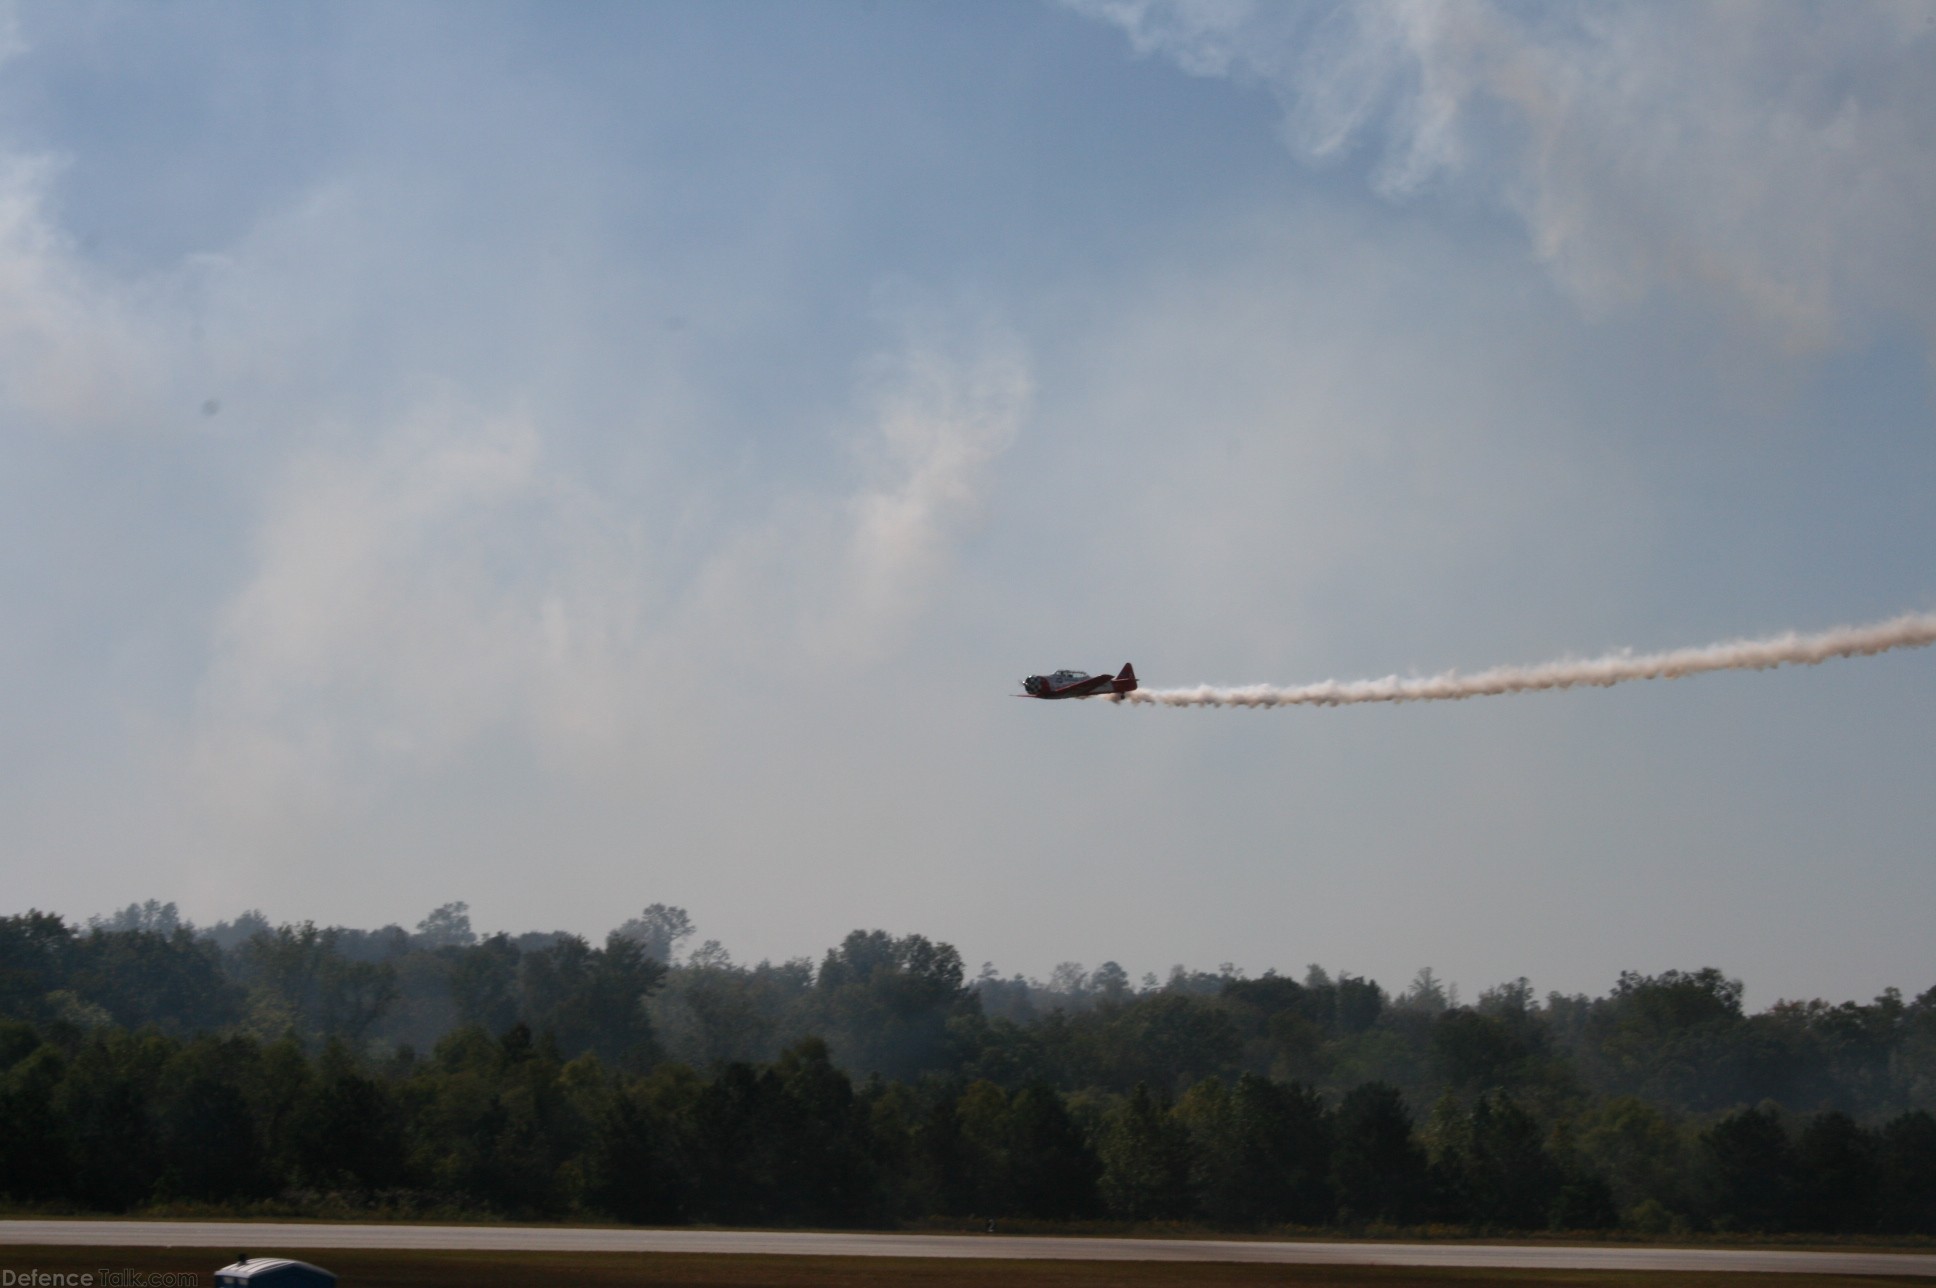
x=250, y=1067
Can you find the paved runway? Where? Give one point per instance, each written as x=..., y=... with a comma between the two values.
x=263, y=1237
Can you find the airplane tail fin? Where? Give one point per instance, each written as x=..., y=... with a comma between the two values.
x=1125, y=682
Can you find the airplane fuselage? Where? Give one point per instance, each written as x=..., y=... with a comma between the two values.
x=1077, y=684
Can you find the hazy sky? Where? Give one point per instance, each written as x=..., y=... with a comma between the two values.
x=571, y=457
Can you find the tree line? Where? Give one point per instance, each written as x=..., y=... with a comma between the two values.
x=251, y=1067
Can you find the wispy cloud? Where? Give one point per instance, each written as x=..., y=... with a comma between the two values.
x=940, y=419
x=12, y=43
x=451, y=582
x=402, y=600
x=1772, y=154
x=78, y=349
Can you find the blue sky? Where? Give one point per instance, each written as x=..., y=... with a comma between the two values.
x=572, y=458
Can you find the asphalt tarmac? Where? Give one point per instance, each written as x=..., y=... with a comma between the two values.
x=270, y=1236
x=266, y=1237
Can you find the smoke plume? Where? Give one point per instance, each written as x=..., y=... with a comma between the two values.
x=1912, y=630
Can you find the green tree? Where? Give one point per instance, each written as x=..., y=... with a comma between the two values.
x=1145, y=1154
x=484, y=983
x=636, y=1169
x=145, y=977
x=783, y=1145
x=447, y=926
x=1748, y=1171
x=1054, y=1173
x=1906, y=1166
x=828, y=1162
x=1494, y=1167
x=1472, y=1052
x=102, y=1104
x=1584, y=1199
x=593, y=999
x=1261, y=1152
x=1837, y=1175
x=346, y=1132
x=34, y=956
x=1282, y=1023
x=985, y=1170
x=1678, y=1038
x=1378, y=1169
x=298, y=979
x=1023, y=1155
x=659, y=930
x=1640, y=1151
x=1163, y=1040
x=885, y=1003
x=211, y=1147
x=711, y=1010
x=33, y=1142
x=944, y=1175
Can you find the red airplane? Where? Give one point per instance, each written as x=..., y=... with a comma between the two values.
x=1078, y=684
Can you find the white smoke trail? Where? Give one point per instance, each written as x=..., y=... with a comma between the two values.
x=1911, y=630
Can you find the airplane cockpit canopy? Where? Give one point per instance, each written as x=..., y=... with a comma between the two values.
x=1067, y=677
